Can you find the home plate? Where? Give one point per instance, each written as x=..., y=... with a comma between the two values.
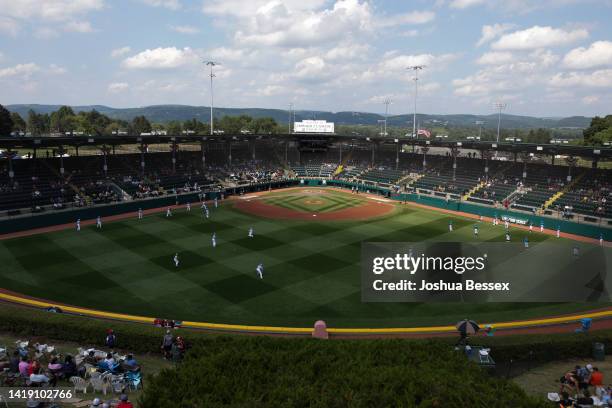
x=314, y=215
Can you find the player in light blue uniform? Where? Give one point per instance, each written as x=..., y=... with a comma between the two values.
x=526, y=242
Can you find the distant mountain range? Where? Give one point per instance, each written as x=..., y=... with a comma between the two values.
x=166, y=113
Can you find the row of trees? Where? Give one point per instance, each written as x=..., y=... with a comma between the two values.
x=65, y=120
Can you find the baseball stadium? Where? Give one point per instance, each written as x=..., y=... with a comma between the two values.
x=305, y=204
x=239, y=234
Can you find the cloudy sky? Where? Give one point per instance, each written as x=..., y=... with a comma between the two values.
x=541, y=57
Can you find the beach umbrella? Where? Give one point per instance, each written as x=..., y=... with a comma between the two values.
x=467, y=327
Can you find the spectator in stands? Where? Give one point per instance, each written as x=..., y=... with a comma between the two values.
x=130, y=363
x=95, y=403
x=124, y=402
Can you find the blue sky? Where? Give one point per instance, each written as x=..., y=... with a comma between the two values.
x=541, y=58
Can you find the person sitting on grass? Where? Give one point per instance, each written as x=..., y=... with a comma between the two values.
x=14, y=362
x=69, y=368
x=36, y=378
x=130, y=363
x=108, y=363
x=124, y=402
x=111, y=339
x=597, y=381
x=91, y=358
x=569, y=383
x=24, y=367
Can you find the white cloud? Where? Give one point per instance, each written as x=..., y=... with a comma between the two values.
x=56, y=69
x=271, y=90
x=598, y=79
x=117, y=87
x=19, y=70
x=169, y=4
x=399, y=63
x=275, y=24
x=347, y=51
x=491, y=32
x=539, y=37
x=240, y=8
x=310, y=68
x=65, y=14
x=462, y=4
x=185, y=29
x=495, y=58
x=161, y=58
x=598, y=54
x=78, y=27
x=9, y=26
x=413, y=17
x=120, y=52
x=590, y=99
x=56, y=10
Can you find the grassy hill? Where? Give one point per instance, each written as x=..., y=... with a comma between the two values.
x=166, y=113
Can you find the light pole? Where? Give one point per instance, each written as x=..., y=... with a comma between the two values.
x=416, y=69
x=386, y=102
x=290, y=113
x=211, y=64
x=479, y=123
x=500, y=106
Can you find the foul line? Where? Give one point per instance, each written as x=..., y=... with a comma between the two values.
x=299, y=330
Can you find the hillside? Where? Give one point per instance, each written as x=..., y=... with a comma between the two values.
x=166, y=113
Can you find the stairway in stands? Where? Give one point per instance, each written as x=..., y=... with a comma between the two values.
x=567, y=188
x=473, y=190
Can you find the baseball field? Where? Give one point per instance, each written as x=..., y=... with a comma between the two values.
x=308, y=240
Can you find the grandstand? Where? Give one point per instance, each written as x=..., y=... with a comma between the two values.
x=522, y=181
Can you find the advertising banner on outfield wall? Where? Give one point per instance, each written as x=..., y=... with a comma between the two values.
x=559, y=271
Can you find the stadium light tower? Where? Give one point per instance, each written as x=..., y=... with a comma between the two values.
x=386, y=102
x=479, y=123
x=416, y=69
x=211, y=64
x=290, y=113
x=500, y=106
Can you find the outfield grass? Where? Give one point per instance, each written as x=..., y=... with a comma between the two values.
x=311, y=269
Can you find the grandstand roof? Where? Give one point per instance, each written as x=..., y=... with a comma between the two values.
x=548, y=149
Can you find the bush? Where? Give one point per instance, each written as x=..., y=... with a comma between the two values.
x=277, y=372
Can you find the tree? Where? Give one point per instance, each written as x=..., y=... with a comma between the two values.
x=140, y=124
x=63, y=120
x=195, y=126
x=37, y=123
x=19, y=124
x=264, y=125
x=174, y=127
x=597, y=125
x=6, y=123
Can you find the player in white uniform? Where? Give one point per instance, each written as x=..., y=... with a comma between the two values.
x=176, y=260
x=214, y=240
x=216, y=202
x=558, y=231
x=251, y=235
x=530, y=226
x=99, y=222
x=475, y=230
x=140, y=213
x=506, y=224
x=541, y=226
x=78, y=224
x=206, y=213
x=168, y=212
x=450, y=226
x=259, y=270
x=601, y=239
x=188, y=207
x=507, y=236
